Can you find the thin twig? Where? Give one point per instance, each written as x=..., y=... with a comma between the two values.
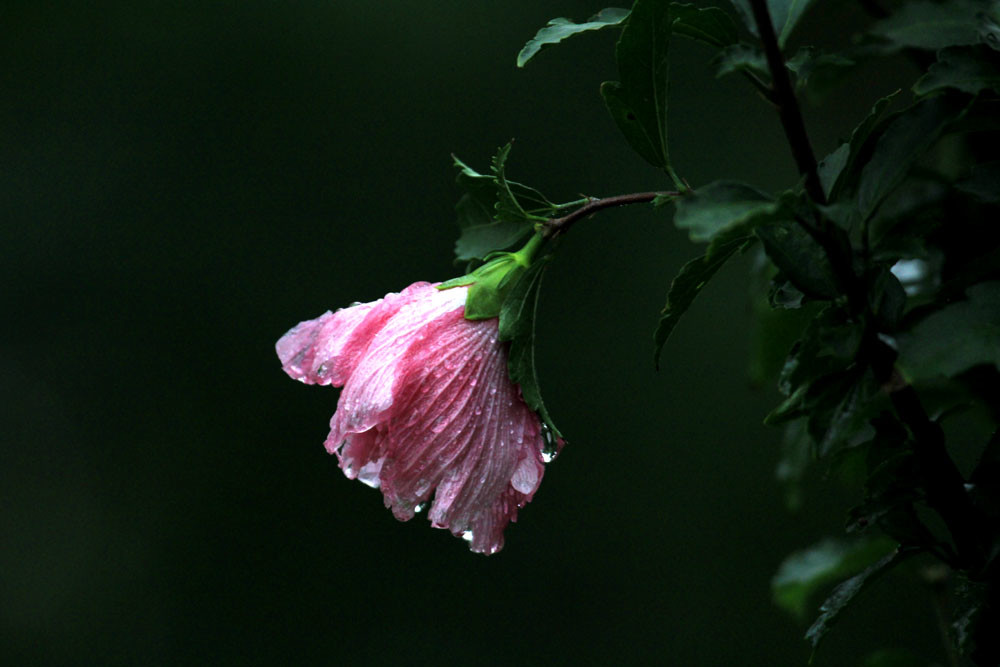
x=556, y=226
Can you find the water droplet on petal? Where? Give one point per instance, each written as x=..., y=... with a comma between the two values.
x=548, y=457
x=467, y=536
x=420, y=507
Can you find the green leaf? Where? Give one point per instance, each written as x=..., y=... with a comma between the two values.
x=805, y=572
x=800, y=259
x=561, y=28
x=517, y=325
x=847, y=591
x=970, y=70
x=836, y=169
x=638, y=104
x=785, y=15
x=724, y=210
x=984, y=183
x=905, y=140
x=955, y=338
x=685, y=287
x=477, y=241
x=931, y=25
x=810, y=64
x=482, y=229
x=741, y=57
x=710, y=25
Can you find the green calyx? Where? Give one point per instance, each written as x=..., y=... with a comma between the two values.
x=491, y=282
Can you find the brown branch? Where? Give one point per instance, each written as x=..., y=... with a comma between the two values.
x=941, y=478
x=788, y=106
x=556, y=226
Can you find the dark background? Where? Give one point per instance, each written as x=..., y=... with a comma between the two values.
x=182, y=182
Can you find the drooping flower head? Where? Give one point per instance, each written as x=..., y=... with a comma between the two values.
x=428, y=413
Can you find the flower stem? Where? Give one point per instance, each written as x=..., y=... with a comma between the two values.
x=554, y=227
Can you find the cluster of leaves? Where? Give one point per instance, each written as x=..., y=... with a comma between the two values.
x=497, y=214
x=886, y=266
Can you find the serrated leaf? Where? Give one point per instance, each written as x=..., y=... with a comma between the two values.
x=710, y=25
x=517, y=325
x=741, y=57
x=691, y=279
x=725, y=210
x=804, y=573
x=847, y=591
x=836, y=169
x=984, y=183
x=956, y=337
x=970, y=70
x=905, y=140
x=559, y=29
x=931, y=25
x=481, y=230
x=800, y=259
x=785, y=15
x=638, y=104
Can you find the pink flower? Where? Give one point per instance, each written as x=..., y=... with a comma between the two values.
x=427, y=409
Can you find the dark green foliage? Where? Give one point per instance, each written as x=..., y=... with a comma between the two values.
x=956, y=337
x=801, y=260
x=804, y=573
x=785, y=15
x=724, y=210
x=710, y=25
x=906, y=138
x=932, y=25
x=638, y=103
x=496, y=213
x=846, y=592
x=560, y=28
x=883, y=266
x=970, y=70
x=691, y=279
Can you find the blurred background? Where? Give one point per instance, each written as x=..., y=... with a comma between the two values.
x=182, y=182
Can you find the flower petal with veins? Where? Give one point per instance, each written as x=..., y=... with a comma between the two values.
x=427, y=410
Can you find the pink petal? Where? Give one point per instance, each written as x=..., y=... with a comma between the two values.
x=459, y=425
x=327, y=349
x=368, y=391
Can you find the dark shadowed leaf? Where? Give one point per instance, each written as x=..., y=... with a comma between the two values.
x=785, y=15
x=561, y=28
x=741, y=57
x=685, y=287
x=638, y=104
x=517, y=325
x=806, y=572
x=800, y=259
x=905, y=140
x=810, y=64
x=710, y=24
x=724, y=210
x=932, y=25
x=970, y=70
x=836, y=169
x=847, y=591
x=956, y=337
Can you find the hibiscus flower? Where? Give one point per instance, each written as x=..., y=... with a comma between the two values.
x=428, y=413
